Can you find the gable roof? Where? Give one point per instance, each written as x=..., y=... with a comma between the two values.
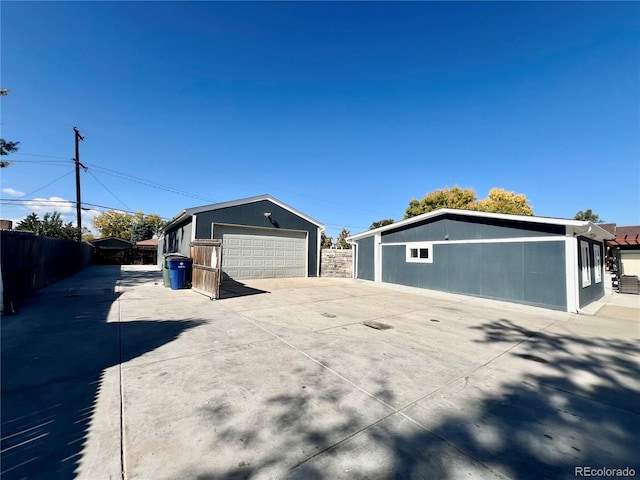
x=111, y=243
x=182, y=214
x=587, y=226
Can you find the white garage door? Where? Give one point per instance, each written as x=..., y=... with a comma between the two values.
x=262, y=253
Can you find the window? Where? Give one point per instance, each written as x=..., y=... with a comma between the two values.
x=586, y=264
x=419, y=253
x=597, y=263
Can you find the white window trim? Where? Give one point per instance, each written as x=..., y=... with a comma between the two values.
x=586, y=264
x=418, y=246
x=597, y=263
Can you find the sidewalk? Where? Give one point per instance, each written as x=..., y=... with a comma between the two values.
x=614, y=304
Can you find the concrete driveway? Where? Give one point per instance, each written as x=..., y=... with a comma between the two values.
x=110, y=375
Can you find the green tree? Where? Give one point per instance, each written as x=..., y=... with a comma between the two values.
x=381, y=223
x=341, y=242
x=156, y=222
x=325, y=242
x=141, y=230
x=31, y=223
x=498, y=201
x=51, y=225
x=6, y=147
x=113, y=224
x=134, y=227
x=588, y=216
x=455, y=197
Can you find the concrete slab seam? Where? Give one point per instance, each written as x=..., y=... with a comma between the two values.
x=409, y=312
x=198, y=353
x=123, y=474
x=319, y=363
x=474, y=370
x=337, y=444
x=471, y=372
x=622, y=409
x=394, y=410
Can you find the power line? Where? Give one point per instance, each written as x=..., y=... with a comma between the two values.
x=56, y=163
x=45, y=186
x=43, y=201
x=38, y=155
x=112, y=194
x=131, y=178
x=71, y=203
x=158, y=186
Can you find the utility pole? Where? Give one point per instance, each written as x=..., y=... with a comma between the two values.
x=78, y=165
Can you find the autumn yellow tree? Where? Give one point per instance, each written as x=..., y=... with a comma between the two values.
x=503, y=201
x=498, y=201
x=455, y=197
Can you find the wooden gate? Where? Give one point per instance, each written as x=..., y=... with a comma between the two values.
x=207, y=259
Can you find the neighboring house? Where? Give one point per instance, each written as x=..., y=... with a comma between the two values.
x=112, y=251
x=624, y=249
x=118, y=251
x=545, y=262
x=262, y=237
x=146, y=252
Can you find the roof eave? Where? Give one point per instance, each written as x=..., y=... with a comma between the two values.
x=233, y=203
x=499, y=216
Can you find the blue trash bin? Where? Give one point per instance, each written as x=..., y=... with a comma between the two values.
x=179, y=272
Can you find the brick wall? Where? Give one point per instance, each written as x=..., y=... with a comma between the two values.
x=336, y=263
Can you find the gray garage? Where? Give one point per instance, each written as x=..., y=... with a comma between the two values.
x=262, y=237
x=547, y=262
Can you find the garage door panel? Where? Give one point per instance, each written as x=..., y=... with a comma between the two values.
x=261, y=253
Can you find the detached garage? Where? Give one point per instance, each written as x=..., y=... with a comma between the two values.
x=545, y=262
x=262, y=237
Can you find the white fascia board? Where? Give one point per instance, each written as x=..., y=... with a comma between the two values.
x=597, y=231
x=571, y=270
x=556, y=238
x=354, y=261
x=244, y=201
x=377, y=258
x=295, y=212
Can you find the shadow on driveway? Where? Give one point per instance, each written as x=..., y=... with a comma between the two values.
x=581, y=409
x=54, y=355
x=233, y=289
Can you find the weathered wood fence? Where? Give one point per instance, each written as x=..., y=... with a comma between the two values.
x=207, y=260
x=29, y=262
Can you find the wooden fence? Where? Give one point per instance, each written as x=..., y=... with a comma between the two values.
x=207, y=260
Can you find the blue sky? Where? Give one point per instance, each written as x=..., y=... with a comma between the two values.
x=345, y=111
